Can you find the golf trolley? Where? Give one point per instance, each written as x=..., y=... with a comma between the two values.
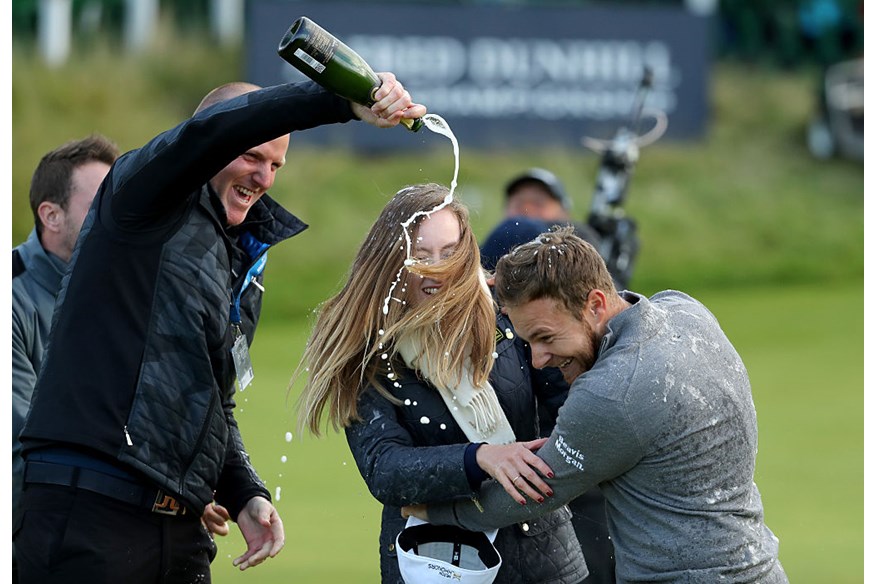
x=618, y=238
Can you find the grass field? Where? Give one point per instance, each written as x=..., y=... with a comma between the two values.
x=806, y=367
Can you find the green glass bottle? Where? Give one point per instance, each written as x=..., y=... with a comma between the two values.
x=322, y=57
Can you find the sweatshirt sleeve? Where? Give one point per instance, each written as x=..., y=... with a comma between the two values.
x=396, y=471
x=24, y=378
x=148, y=184
x=594, y=440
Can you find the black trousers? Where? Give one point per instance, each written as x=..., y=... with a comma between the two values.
x=71, y=535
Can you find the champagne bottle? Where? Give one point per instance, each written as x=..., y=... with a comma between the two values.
x=322, y=57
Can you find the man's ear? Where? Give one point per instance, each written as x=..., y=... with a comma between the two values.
x=596, y=306
x=51, y=216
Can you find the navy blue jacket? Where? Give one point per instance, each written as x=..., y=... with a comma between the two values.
x=139, y=370
x=414, y=453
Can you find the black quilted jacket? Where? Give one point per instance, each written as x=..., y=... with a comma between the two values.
x=413, y=453
x=139, y=369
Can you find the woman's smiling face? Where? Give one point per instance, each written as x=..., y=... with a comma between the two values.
x=437, y=238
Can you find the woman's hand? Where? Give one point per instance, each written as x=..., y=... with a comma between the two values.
x=518, y=469
x=215, y=519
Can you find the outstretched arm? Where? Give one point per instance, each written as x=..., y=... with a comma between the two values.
x=593, y=441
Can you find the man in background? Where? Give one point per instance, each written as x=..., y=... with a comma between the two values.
x=538, y=193
x=534, y=201
x=61, y=190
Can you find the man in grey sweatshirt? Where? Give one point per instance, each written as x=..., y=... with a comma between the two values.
x=660, y=416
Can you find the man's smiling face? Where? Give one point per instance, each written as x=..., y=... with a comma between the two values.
x=557, y=338
x=247, y=177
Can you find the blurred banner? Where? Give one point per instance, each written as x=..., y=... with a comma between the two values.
x=507, y=77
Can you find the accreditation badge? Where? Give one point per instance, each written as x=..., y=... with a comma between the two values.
x=242, y=361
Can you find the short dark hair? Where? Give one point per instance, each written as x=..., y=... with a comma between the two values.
x=558, y=265
x=51, y=179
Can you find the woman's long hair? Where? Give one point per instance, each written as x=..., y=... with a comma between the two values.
x=354, y=340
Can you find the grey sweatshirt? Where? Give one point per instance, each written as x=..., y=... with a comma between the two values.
x=35, y=285
x=665, y=424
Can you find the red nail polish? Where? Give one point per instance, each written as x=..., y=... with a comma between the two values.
x=550, y=493
x=550, y=475
x=523, y=502
x=540, y=499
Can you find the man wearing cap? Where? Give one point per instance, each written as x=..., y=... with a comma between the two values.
x=659, y=415
x=534, y=201
x=537, y=193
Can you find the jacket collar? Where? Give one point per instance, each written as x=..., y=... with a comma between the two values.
x=45, y=269
x=267, y=220
x=641, y=321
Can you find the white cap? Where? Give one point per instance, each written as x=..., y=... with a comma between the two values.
x=438, y=554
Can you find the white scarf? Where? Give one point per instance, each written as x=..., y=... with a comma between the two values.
x=475, y=409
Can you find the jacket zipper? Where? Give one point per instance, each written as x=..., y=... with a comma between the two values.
x=199, y=442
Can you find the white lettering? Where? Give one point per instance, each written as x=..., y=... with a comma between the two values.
x=535, y=78
x=415, y=59
x=571, y=456
x=490, y=61
x=548, y=102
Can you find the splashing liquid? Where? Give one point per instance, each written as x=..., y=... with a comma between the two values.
x=438, y=125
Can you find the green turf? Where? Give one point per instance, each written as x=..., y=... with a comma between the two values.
x=803, y=347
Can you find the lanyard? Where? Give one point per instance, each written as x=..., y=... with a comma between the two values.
x=256, y=250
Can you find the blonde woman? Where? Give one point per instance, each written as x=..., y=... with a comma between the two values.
x=434, y=391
